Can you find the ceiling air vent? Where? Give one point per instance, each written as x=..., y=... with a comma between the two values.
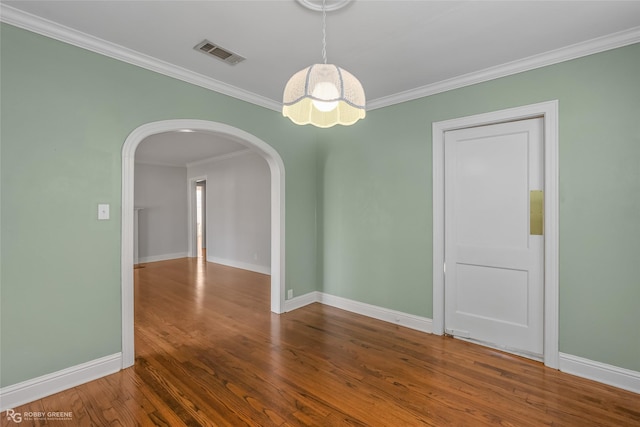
x=219, y=53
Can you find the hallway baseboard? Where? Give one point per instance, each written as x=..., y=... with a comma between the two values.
x=165, y=257
x=239, y=264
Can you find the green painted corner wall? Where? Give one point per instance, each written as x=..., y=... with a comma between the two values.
x=66, y=113
x=375, y=189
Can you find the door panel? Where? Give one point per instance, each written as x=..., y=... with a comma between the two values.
x=477, y=290
x=494, y=278
x=490, y=184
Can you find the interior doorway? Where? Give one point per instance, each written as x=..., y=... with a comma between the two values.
x=548, y=112
x=201, y=219
x=277, y=190
x=493, y=236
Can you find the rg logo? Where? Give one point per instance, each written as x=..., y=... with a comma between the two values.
x=14, y=416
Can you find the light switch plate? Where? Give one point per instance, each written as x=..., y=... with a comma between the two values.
x=103, y=211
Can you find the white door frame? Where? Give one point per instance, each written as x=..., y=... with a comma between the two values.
x=276, y=166
x=549, y=113
x=192, y=212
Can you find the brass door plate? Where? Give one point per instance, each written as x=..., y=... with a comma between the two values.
x=536, y=212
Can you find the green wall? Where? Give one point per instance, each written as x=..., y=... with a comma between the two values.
x=358, y=199
x=375, y=186
x=66, y=113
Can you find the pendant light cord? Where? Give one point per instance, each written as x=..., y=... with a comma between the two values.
x=324, y=31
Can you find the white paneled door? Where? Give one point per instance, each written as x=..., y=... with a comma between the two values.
x=494, y=279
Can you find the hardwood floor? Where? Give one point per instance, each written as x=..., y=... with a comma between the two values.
x=210, y=353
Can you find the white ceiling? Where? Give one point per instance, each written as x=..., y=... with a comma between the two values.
x=391, y=46
x=399, y=50
x=183, y=148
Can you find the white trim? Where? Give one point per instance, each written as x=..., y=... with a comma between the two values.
x=412, y=321
x=601, y=372
x=165, y=257
x=578, y=50
x=549, y=112
x=46, y=385
x=301, y=301
x=419, y=323
x=220, y=157
x=54, y=30
x=191, y=215
x=240, y=264
x=276, y=166
x=36, y=24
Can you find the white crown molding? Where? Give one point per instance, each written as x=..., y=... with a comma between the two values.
x=77, y=38
x=578, y=50
x=65, y=34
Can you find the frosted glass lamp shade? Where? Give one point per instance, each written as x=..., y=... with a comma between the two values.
x=323, y=95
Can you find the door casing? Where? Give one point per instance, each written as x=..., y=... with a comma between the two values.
x=549, y=113
x=494, y=280
x=192, y=209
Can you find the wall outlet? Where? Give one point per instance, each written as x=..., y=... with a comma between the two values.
x=290, y=294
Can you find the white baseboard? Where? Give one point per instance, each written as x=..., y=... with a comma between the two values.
x=301, y=301
x=419, y=323
x=239, y=264
x=37, y=388
x=164, y=257
x=412, y=321
x=607, y=374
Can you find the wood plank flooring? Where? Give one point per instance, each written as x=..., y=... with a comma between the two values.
x=209, y=353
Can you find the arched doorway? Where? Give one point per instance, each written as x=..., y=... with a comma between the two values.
x=276, y=167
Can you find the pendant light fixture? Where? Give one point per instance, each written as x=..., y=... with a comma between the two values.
x=324, y=94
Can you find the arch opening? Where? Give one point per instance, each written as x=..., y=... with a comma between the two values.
x=276, y=167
